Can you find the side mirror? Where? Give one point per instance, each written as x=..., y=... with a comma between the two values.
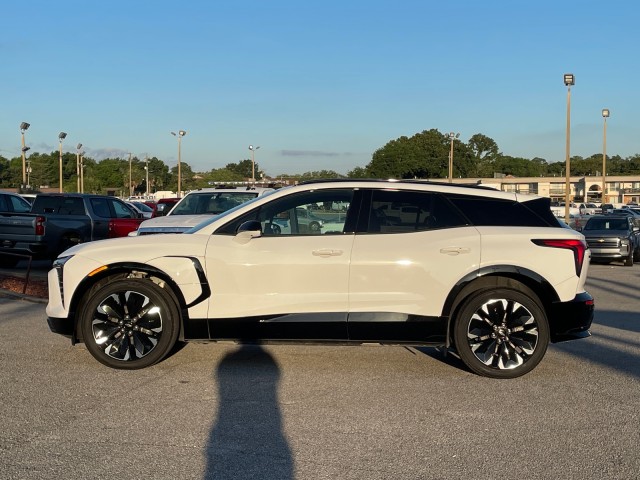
x=247, y=231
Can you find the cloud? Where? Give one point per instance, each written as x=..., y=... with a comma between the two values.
x=309, y=153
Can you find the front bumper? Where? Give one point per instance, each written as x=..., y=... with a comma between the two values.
x=571, y=320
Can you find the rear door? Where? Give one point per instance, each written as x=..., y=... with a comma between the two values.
x=413, y=249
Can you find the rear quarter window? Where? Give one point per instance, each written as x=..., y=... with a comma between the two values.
x=482, y=211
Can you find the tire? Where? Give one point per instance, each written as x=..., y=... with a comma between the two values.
x=114, y=334
x=314, y=227
x=501, y=333
x=628, y=261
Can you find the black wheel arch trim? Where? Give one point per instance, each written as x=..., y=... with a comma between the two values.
x=126, y=267
x=484, y=277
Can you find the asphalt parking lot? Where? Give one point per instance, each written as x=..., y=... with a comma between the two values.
x=220, y=411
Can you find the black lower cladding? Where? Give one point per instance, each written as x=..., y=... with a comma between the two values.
x=360, y=327
x=571, y=320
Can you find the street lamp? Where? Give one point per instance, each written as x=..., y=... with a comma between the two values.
x=605, y=115
x=61, y=137
x=452, y=136
x=24, y=126
x=180, y=134
x=78, y=147
x=253, y=163
x=569, y=80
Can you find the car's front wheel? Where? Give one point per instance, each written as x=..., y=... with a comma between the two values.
x=129, y=323
x=501, y=333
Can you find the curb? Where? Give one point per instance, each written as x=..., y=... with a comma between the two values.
x=21, y=296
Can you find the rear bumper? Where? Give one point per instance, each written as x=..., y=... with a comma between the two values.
x=571, y=320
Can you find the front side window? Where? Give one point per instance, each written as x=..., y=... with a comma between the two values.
x=122, y=211
x=317, y=212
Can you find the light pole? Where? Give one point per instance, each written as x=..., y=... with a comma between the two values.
x=253, y=163
x=452, y=136
x=24, y=126
x=605, y=115
x=28, y=172
x=569, y=80
x=61, y=137
x=129, y=175
x=180, y=134
x=146, y=183
x=78, y=147
x=81, y=172
x=28, y=169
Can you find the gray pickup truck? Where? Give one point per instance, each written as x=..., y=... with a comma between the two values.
x=59, y=221
x=612, y=237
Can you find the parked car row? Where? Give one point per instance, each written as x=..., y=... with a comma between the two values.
x=55, y=222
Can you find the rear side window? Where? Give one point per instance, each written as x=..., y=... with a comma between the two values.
x=19, y=204
x=402, y=211
x=482, y=211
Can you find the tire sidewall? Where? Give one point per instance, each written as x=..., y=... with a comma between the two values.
x=170, y=321
x=471, y=305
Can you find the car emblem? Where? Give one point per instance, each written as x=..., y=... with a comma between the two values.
x=601, y=240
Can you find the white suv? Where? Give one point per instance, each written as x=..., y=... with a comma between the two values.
x=489, y=275
x=199, y=205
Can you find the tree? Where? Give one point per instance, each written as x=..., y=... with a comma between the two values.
x=485, y=152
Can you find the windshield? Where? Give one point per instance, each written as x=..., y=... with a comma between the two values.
x=212, y=202
x=607, y=224
x=208, y=221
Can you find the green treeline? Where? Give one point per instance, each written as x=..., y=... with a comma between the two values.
x=424, y=155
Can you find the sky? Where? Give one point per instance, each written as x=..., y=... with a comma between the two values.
x=316, y=84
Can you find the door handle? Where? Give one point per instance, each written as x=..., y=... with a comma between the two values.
x=326, y=252
x=454, y=250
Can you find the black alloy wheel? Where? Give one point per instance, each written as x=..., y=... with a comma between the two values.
x=129, y=323
x=501, y=333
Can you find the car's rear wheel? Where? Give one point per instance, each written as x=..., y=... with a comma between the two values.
x=129, y=323
x=501, y=333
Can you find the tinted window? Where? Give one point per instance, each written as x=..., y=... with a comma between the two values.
x=121, y=210
x=19, y=204
x=100, y=207
x=212, y=202
x=408, y=211
x=498, y=212
x=58, y=205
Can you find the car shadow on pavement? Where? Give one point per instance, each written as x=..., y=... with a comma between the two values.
x=247, y=439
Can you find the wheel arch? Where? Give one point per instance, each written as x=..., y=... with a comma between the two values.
x=496, y=276
x=137, y=270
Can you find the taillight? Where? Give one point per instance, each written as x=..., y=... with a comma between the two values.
x=579, y=247
x=40, y=225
